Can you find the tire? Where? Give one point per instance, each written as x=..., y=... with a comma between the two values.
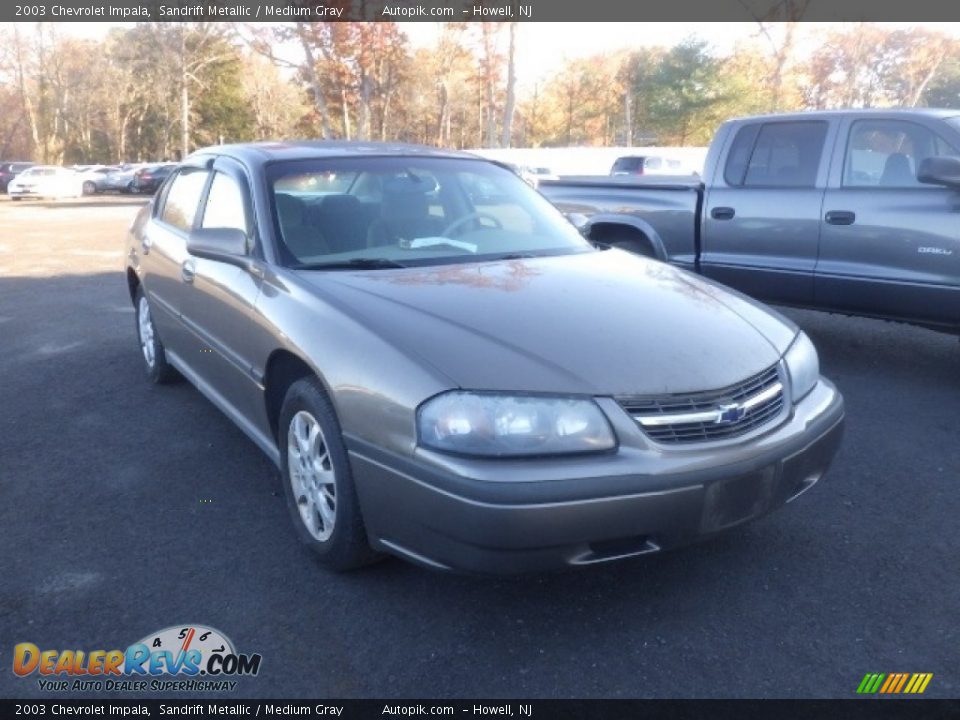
x=15, y=198
x=89, y=188
x=317, y=480
x=154, y=357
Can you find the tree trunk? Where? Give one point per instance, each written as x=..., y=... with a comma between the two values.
x=511, y=102
x=310, y=71
x=184, y=98
x=443, y=116
x=184, y=119
x=628, y=118
x=346, y=113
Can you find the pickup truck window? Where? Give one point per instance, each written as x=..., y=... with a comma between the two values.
x=886, y=153
x=786, y=154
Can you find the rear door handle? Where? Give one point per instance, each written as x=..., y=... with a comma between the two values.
x=188, y=271
x=723, y=213
x=840, y=217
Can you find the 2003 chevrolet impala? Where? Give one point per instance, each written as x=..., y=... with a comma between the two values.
x=445, y=370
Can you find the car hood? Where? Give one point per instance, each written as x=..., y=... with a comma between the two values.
x=601, y=323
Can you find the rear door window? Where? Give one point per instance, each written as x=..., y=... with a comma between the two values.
x=779, y=154
x=183, y=199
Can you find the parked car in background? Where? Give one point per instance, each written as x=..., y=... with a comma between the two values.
x=10, y=170
x=148, y=179
x=120, y=180
x=542, y=173
x=845, y=211
x=94, y=179
x=381, y=320
x=47, y=181
x=646, y=165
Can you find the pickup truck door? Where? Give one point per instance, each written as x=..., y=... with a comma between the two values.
x=890, y=246
x=761, y=225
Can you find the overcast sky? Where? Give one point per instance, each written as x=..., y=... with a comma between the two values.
x=542, y=47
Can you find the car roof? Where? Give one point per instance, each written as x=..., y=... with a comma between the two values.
x=261, y=153
x=814, y=114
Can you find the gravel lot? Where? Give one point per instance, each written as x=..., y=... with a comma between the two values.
x=105, y=538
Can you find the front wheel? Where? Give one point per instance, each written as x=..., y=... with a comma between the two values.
x=89, y=188
x=154, y=357
x=318, y=483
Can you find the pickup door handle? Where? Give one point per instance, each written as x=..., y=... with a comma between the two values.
x=840, y=217
x=723, y=213
x=188, y=270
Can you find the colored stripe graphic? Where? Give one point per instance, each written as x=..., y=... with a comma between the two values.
x=870, y=683
x=894, y=683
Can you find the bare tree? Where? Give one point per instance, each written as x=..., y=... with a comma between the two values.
x=785, y=14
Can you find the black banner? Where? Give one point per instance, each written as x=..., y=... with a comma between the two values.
x=519, y=709
x=476, y=11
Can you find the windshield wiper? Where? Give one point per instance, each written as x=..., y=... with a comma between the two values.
x=354, y=264
x=516, y=256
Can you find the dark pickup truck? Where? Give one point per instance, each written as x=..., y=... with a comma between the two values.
x=855, y=212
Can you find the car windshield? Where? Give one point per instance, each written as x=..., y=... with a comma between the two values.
x=381, y=212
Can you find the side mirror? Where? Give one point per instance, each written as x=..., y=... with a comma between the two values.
x=228, y=245
x=944, y=170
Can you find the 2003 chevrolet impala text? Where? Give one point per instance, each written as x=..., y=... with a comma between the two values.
x=445, y=370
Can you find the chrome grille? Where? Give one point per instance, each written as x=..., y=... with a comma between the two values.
x=711, y=415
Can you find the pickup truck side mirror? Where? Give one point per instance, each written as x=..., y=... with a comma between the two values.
x=943, y=170
x=228, y=245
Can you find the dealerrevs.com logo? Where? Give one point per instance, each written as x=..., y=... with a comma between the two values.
x=188, y=658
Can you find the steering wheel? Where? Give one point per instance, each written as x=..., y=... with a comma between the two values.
x=472, y=216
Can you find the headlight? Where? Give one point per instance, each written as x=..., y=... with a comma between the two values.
x=494, y=425
x=803, y=366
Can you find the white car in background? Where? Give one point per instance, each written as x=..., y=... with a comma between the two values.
x=47, y=181
x=93, y=179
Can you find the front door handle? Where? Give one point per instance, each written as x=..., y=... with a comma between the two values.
x=188, y=271
x=723, y=213
x=840, y=217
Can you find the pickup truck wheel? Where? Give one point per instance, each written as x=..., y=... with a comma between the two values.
x=317, y=479
x=155, y=359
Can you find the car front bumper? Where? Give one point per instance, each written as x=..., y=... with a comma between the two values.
x=498, y=516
